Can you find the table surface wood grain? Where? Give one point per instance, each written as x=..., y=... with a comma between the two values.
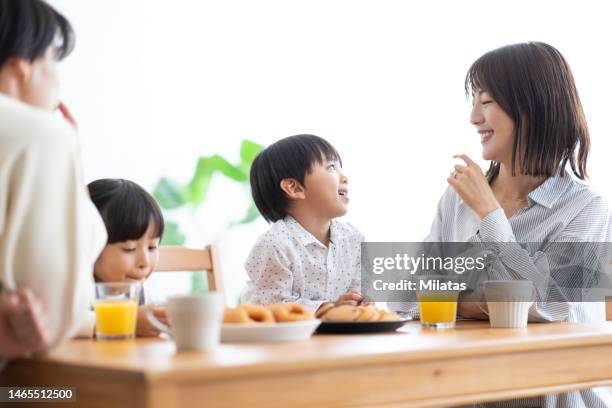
x=411, y=367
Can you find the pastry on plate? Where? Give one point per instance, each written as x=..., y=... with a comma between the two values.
x=274, y=313
x=347, y=313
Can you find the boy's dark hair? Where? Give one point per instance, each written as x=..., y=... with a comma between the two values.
x=29, y=27
x=534, y=85
x=291, y=157
x=126, y=208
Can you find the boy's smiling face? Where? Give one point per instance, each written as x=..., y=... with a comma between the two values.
x=326, y=189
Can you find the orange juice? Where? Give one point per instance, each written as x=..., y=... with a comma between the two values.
x=438, y=309
x=115, y=319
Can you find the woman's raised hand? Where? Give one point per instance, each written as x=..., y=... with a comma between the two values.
x=472, y=186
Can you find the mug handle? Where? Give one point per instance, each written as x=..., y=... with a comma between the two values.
x=482, y=300
x=486, y=312
x=155, y=322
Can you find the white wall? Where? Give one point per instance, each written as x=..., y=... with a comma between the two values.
x=155, y=84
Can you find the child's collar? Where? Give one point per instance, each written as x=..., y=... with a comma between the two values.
x=305, y=237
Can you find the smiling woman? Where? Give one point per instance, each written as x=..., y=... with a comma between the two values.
x=525, y=94
x=532, y=128
x=531, y=123
x=528, y=113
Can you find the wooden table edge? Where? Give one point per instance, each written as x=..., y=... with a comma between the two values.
x=376, y=359
x=509, y=394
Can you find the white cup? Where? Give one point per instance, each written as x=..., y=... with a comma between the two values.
x=509, y=302
x=195, y=321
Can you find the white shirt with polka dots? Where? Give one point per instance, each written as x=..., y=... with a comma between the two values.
x=289, y=265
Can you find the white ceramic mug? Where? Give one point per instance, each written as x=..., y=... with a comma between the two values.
x=195, y=321
x=509, y=302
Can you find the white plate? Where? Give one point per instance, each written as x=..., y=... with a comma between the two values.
x=290, y=331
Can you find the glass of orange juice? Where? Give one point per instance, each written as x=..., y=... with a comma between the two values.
x=116, y=308
x=438, y=308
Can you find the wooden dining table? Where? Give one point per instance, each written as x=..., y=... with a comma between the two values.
x=412, y=367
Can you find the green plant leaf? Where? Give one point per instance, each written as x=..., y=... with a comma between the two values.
x=221, y=165
x=172, y=234
x=205, y=169
x=170, y=194
x=248, y=151
x=198, y=187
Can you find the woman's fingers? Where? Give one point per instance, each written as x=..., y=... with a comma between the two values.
x=456, y=184
x=460, y=169
x=23, y=324
x=67, y=114
x=470, y=183
x=466, y=159
x=9, y=302
x=30, y=322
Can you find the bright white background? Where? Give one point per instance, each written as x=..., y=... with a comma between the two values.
x=154, y=84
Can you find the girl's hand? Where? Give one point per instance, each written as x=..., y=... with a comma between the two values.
x=472, y=186
x=23, y=324
x=67, y=114
x=144, y=328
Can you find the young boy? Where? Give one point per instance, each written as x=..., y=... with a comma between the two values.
x=307, y=257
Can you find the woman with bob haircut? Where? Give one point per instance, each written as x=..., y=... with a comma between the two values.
x=50, y=232
x=533, y=200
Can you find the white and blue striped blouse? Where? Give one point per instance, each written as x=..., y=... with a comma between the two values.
x=562, y=209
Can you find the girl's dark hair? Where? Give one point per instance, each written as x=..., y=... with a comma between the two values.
x=126, y=208
x=291, y=157
x=29, y=27
x=534, y=85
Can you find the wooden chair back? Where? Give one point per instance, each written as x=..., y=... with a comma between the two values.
x=180, y=259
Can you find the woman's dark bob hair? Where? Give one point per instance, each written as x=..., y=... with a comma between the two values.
x=534, y=85
x=29, y=27
x=126, y=208
x=290, y=158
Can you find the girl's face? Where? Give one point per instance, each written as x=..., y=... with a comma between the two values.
x=128, y=260
x=326, y=189
x=495, y=127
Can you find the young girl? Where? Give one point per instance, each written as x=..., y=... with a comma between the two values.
x=135, y=225
x=308, y=256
